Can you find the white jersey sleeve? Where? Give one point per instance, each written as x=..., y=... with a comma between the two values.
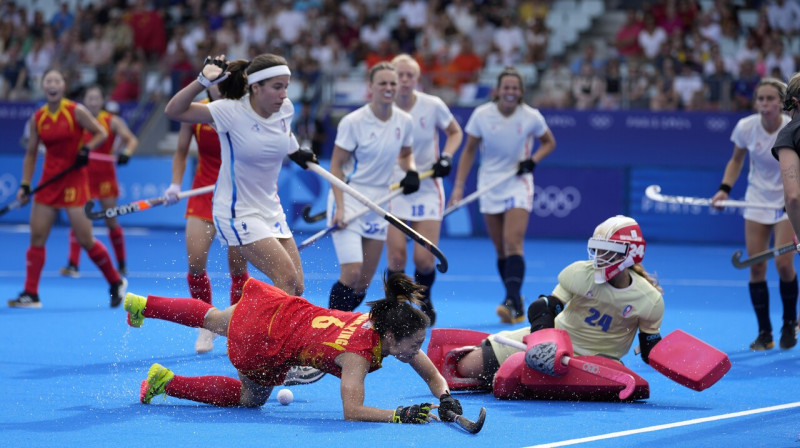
x=764, y=182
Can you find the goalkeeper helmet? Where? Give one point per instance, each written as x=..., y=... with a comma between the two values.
x=616, y=244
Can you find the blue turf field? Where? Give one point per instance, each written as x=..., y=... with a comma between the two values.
x=70, y=372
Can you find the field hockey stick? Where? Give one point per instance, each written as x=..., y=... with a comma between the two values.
x=424, y=242
x=653, y=192
x=467, y=424
x=140, y=205
x=585, y=366
x=478, y=193
x=102, y=157
x=309, y=218
x=761, y=256
x=15, y=204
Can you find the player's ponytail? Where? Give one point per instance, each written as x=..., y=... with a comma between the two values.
x=396, y=313
x=235, y=86
x=639, y=269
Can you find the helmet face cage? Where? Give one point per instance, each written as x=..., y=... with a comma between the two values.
x=604, y=253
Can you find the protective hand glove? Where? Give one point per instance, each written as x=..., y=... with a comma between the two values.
x=526, y=166
x=123, y=159
x=442, y=166
x=417, y=413
x=410, y=183
x=303, y=156
x=449, y=407
x=216, y=79
x=171, y=193
x=82, y=159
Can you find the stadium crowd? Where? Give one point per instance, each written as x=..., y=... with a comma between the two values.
x=668, y=54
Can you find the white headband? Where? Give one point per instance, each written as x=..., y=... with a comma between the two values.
x=267, y=73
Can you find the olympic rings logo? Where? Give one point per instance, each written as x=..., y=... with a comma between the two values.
x=591, y=368
x=8, y=186
x=717, y=124
x=600, y=121
x=555, y=201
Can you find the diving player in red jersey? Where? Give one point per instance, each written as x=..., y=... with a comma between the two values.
x=270, y=331
x=103, y=183
x=59, y=125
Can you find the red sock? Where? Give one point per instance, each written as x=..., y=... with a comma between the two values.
x=199, y=286
x=237, y=285
x=118, y=243
x=211, y=389
x=99, y=254
x=189, y=312
x=74, y=257
x=34, y=262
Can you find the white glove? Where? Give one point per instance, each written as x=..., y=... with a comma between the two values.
x=171, y=193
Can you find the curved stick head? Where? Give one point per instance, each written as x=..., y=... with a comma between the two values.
x=88, y=210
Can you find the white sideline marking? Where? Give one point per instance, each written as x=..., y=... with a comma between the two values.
x=612, y=435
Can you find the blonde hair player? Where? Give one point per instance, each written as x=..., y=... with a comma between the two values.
x=423, y=209
x=755, y=135
x=378, y=136
x=787, y=150
x=504, y=130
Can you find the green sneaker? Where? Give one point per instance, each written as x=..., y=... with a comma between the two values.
x=156, y=383
x=134, y=305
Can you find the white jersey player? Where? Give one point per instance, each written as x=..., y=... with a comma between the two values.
x=253, y=124
x=755, y=135
x=370, y=142
x=424, y=209
x=505, y=130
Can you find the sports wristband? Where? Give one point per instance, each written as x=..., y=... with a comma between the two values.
x=26, y=189
x=725, y=187
x=797, y=248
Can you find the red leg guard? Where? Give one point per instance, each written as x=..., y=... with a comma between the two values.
x=199, y=286
x=212, y=389
x=188, y=312
x=118, y=243
x=74, y=257
x=445, y=339
x=689, y=361
x=450, y=371
x=99, y=254
x=34, y=262
x=237, y=285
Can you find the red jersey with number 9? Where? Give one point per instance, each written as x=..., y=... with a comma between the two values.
x=208, y=162
x=102, y=174
x=271, y=331
x=62, y=137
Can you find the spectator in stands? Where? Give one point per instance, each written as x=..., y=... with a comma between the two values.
x=744, y=86
x=555, y=86
x=63, y=19
x=373, y=32
x=127, y=76
x=611, y=98
x=119, y=33
x=651, y=38
x=466, y=66
x=15, y=85
x=482, y=36
x=708, y=28
x=537, y=36
x=626, y=40
x=97, y=52
x=404, y=36
x=37, y=61
x=148, y=29
x=509, y=41
x=665, y=98
x=587, y=87
x=589, y=56
x=415, y=12
x=347, y=35
x=639, y=86
x=462, y=14
x=671, y=22
x=784, y=16
x=689, y=86
x=749, y=50
x=719, y=85
x=780, y=59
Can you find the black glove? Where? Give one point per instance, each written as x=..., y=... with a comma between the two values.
x=123, y=159
x=417, y=413
x=82, y=159
x=303, y=156
x=442, y=166
x=526, y=166
x=25, y=189
x=449, y=407
x=410, y=183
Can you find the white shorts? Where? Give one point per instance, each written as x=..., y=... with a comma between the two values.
x=426, y=204
x=760, y=215
x=516, y=192
x=347, y=242
x=251, y=228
